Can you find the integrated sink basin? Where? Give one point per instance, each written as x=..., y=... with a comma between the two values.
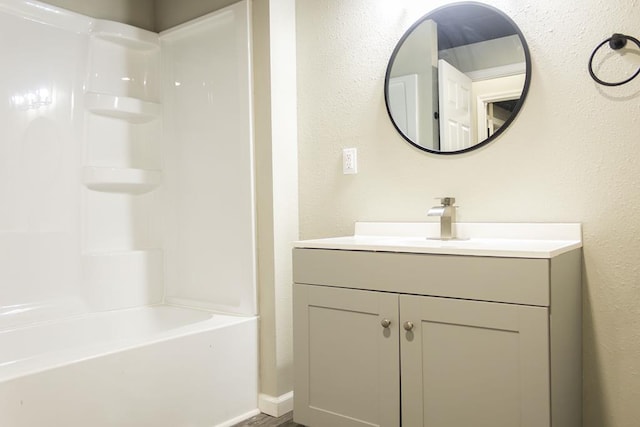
x=521, y=240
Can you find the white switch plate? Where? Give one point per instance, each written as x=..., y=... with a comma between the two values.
x=349, y=161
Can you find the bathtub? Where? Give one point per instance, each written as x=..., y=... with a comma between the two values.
x=157, y=366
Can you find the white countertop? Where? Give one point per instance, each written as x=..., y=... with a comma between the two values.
x=530, y=240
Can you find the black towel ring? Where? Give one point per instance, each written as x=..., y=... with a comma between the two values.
x=616, y=42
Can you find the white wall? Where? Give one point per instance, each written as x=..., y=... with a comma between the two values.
x=419, y=56
x=571, y=155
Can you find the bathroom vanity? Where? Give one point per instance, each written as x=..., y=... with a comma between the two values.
x=393, y=329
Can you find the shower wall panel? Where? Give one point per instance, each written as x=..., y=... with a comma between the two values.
x=103, y=206
x=122, y=209
x=208, y=162
x=40, y=151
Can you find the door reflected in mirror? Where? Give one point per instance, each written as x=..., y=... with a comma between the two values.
x=457, y=78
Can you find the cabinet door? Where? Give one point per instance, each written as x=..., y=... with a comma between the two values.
x=347, y=370
x=474, y=364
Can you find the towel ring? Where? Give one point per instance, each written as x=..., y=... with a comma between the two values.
x=616, y=41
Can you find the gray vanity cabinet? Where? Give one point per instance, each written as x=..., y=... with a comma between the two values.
x=473, y=363
x=347, y=366
x=371, y=351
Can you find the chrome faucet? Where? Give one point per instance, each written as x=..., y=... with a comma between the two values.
x=447, y=213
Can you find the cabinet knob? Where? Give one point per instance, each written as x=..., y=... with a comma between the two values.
x=385, y=323
x=408, y=326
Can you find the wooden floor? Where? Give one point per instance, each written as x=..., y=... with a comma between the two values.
x=264, y=420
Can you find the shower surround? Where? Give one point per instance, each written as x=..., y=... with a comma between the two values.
x=127, y=236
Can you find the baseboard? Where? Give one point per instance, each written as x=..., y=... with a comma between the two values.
x=275, y=406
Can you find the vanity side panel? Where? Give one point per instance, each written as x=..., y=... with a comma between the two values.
x=566, y=339
x=511, y=280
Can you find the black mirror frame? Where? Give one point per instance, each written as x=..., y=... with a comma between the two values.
x=518, y=105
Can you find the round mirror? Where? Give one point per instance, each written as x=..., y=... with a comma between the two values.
x=457, y=78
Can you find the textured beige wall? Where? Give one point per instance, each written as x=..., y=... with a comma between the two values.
x=264, y=199
x=572, y=154
x=132, y=12
x=277, y=187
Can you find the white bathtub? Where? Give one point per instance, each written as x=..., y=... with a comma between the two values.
x=159, y=366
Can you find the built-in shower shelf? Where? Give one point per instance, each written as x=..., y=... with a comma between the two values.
x=132, y=110
x=121, y=180
x=125, y=35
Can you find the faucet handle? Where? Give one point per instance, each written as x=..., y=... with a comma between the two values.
x=446, y=201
